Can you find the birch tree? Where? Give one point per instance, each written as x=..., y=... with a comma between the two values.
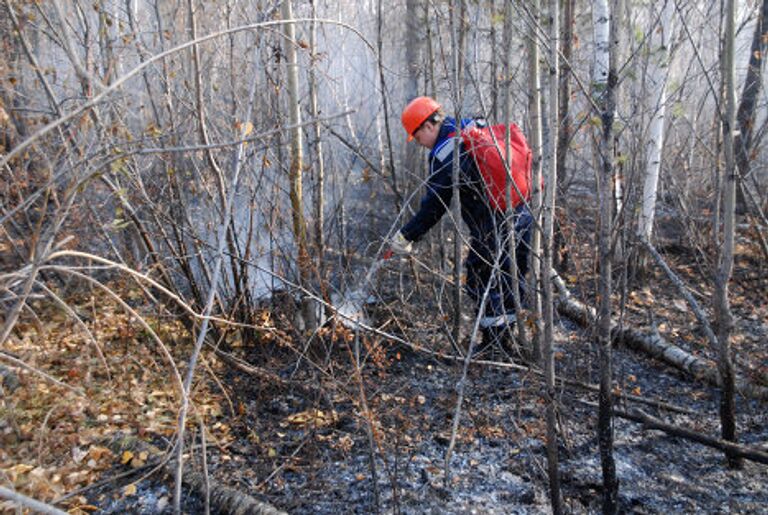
x=656, y=85
x=603, y=85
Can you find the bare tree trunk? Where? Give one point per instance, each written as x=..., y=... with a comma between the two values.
x=535, y=140
x=415, y=69
x=510, y=212
x=430, y=85
x=564, y=97
x=297, y=162
x=564, y=123
x=319, y=158
x=457, y=29
x=658, y=72
x=548, y=354
x=745, y=116
x=725, y=268
x=493, y=112
x=604, y=82
x=386, y=150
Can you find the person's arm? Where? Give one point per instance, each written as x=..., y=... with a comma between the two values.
x=436, y=200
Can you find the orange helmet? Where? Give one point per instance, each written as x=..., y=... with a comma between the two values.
x=417, y=112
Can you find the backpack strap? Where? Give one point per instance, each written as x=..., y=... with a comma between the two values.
x=445, y=149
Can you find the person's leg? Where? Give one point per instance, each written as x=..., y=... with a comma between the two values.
x=495, y=318
x=481, y=272
x=477, y=272
x=523, y=231
x=523, y=222
x=501, y=308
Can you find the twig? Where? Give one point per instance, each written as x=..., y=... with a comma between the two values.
x=282, y=465
x=103, y=482
x=269, y=377
x=22, y=146
x=28, y=502
x=683, y=291
x=206, y=477
x=164, y=350
x=19, y=363
x=371, y=429
x=81, y=324
x=586, y=386
x=460, y=386
x=218, y=383
x=147, y=279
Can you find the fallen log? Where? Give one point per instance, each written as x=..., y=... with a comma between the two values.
x=229, y=500
x=653, y=344
x=223, y=498
x=657, y=347
x=650, y=422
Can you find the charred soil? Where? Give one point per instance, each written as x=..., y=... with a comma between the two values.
x=349, y=421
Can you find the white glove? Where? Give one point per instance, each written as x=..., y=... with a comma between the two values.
x=400, y=245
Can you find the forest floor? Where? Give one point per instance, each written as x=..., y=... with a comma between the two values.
x=310, y=442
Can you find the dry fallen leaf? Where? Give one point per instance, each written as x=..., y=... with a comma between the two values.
x=17, y=470
x=244, y=129
x=314, y=417
x=126, y=457
x=97, y=452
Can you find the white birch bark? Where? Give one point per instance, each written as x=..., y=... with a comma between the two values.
x=600, y=20
x=658, y=74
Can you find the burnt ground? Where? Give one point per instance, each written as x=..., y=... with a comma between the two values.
x=313, y=453
x=304, y=462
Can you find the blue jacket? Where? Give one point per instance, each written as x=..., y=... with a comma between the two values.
x=475, y=210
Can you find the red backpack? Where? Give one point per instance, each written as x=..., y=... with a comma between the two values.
x=487, y=147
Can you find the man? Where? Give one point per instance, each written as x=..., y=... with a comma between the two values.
x=488, y=264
